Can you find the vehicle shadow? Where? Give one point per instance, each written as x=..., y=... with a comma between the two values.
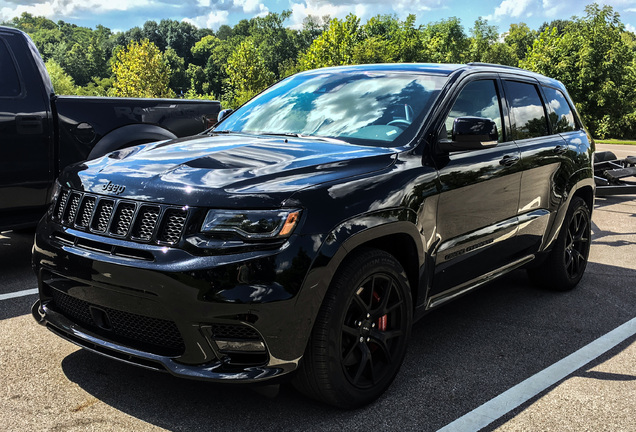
x=15, y=272
x=460, y=356
x=622, y=205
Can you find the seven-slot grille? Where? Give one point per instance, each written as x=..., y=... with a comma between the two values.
x=120, y=218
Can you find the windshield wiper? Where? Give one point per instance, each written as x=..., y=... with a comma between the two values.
x=286, y=134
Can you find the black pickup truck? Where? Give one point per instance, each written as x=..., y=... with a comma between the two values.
x=41, y=133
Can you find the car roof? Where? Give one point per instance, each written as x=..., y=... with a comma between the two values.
x=436, y=69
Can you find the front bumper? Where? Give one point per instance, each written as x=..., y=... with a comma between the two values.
x=215, y=370
x=130, y=309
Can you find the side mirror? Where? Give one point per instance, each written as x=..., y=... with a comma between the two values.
x=224, y=113
x=471, y=133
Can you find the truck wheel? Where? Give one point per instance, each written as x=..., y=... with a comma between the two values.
x=564, y=267
x=360, y=336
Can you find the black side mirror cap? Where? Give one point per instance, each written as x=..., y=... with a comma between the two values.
x=471, y=133
x=224, y=113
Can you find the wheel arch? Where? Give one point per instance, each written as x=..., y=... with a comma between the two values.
x=128, y=135
x=400, y=238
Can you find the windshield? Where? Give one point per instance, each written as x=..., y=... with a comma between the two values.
x=369, y=108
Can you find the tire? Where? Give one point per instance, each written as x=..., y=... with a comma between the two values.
x=564, y=267
x=361, y=332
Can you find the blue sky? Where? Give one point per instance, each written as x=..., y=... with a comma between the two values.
x=125, y=14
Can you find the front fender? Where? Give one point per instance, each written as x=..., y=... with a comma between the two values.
x=374, y=230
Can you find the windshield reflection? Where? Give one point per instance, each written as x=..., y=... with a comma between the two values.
x=359, y=107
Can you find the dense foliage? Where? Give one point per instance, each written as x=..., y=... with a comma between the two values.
x=594, y=56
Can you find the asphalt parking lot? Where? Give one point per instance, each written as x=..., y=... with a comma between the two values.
x=468, y=366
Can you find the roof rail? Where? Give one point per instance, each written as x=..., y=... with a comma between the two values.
x=495, y=65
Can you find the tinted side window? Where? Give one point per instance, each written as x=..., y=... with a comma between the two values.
x=9, y=82
x=477, y=99
x=527, y=115
x=561, y=115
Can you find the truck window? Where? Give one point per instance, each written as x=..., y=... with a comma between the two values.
x=9, y=82
x=561, y=115
x=477, y=99
x=527, y=115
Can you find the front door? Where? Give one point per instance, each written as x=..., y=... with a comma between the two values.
x=477, y=209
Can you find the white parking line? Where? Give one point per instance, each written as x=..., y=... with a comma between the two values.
x=18, y=294
x=497, y=407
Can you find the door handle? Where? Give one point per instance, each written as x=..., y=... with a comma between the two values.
x=29, y=125
x=509, y=160
x=560, y=149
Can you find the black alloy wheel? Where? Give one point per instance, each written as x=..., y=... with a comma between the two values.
x=564, y=267
x=373, y=326
x=360, y=335
x=577, y=245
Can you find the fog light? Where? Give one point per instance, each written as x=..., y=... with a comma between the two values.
x=240, y=345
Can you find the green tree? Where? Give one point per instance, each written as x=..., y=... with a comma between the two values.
x=444, y=42
x=485, y=46
x=520, y=38
x=247, y=73
x=335, y=46
x=179, y=82
x=140, y=70
x=596, y=65
x=63, y=84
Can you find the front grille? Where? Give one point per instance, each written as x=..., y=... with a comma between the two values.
x=120, y=218
x=86, y=211
x=146, y=222
x=173, y=224
x=71, y=208
x=233, y=331
x=138, y=331
x=61, y=204
x=103, y=214
x=123, y=219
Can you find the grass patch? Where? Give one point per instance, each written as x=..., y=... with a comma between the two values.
x=615, y=141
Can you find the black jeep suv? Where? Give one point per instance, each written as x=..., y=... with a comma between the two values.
x=310, y=228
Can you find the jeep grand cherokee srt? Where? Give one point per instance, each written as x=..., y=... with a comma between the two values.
x=310, y=228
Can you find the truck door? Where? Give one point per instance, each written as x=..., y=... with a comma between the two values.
x=26, y=146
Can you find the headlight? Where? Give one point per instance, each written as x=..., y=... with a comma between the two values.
x=252, y=224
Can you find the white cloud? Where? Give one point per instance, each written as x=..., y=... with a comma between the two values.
x=513, y=9
x=363, y=9
x=252, y=6
x=213, y=20
x=70, y=8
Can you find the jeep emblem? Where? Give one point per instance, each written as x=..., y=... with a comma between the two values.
x=111, y=187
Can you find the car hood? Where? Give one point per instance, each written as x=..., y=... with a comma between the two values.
x=225, y=171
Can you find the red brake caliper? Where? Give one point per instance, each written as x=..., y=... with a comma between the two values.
x=382, y=320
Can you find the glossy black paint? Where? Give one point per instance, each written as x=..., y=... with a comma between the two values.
x=454, y=220
x=41, y=133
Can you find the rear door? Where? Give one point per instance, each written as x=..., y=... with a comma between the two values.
x=26, y=146
x=477, y=209
x=546, y=158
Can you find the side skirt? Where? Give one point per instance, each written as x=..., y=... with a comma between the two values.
x=459, y=290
